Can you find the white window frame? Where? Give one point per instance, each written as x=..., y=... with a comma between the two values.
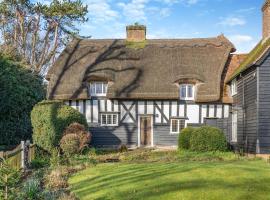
x=233, y=87
x=234, y=126
x=93, y=86
x=178, y=125
x=186, y=86
x=106, y=116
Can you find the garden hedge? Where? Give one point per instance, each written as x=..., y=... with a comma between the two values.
x=208, y=139
x=49, y=120
x=20, y=90
x=184, y=138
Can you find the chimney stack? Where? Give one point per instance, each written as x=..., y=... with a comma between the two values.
x=266, y=19
x=136, y=33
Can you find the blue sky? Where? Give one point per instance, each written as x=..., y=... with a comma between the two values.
x=239, y=20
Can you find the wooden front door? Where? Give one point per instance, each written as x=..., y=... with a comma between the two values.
x=145, y=130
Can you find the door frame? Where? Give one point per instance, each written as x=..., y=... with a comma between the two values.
x=139, y=129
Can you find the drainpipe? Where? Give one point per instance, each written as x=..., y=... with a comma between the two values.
x=258, y=150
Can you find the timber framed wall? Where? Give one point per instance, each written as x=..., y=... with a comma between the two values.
x=129, y=110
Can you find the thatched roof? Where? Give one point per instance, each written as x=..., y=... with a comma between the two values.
x=150, y=72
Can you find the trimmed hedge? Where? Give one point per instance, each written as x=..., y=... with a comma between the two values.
x=208, y=138
x=49, y=120
x=184, y=138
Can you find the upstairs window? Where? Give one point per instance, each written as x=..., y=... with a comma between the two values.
x=98, y=88
x=109, y=119
x=233, y=87
x=177, y=125
x=187, y=92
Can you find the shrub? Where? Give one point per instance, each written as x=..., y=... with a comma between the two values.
x=208, y=139
x=31, y=189
x=20, y=90
x=184, y=138
x=123, y=148
x=55, y=159
x=70, y=144
x=49, y=120
x=79, y=130
x=57, y=179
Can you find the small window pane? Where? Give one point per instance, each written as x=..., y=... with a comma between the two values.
x=183, y=91
x=103, y=119
x=109, y=119
x=190, y=91
x=181, y=124
x=174, y=125
x=114, y=119
x=92, y=88
x=104, y=88
x=98, y=88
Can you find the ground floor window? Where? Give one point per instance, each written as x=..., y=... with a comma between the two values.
x=177, y=125
x=234, y=126
x=109, y=119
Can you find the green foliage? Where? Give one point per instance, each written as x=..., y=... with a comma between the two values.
x=136, y=45
x=31, y=189
x=184, y=138
x=20, y=90
x=55, y=159
x=9, y=178
x=208, y=138
x=70, y=144
x=49, y=120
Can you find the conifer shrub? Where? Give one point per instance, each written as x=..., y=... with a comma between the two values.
x=50, y=119
x=208, y=138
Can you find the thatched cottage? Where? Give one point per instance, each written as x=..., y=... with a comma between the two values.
x=142, y=92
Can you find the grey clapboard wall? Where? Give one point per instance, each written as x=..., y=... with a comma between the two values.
x=245, y=103
x=264, y=105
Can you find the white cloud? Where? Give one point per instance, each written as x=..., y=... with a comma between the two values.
x=243, y=43
x=134, y=10
x=101, y=11
x=232, y=21
x=238, y=39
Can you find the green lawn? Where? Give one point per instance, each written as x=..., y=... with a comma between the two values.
x=185, y=180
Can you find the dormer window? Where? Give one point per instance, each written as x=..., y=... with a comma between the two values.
x=98, y=88
x=187, y=92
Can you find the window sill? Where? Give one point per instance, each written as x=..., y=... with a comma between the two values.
x=171, y=133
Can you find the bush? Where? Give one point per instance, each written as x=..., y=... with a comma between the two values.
x=184, y=138
x=20, y=90
x=31, y=189
x=49, y=120
x=70, y=144
x=79, y=130
x=208, y=139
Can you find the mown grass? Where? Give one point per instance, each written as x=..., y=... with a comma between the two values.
x=174, y=175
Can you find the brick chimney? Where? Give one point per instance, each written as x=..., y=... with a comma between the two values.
x=266, y=19
x=136, y=33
